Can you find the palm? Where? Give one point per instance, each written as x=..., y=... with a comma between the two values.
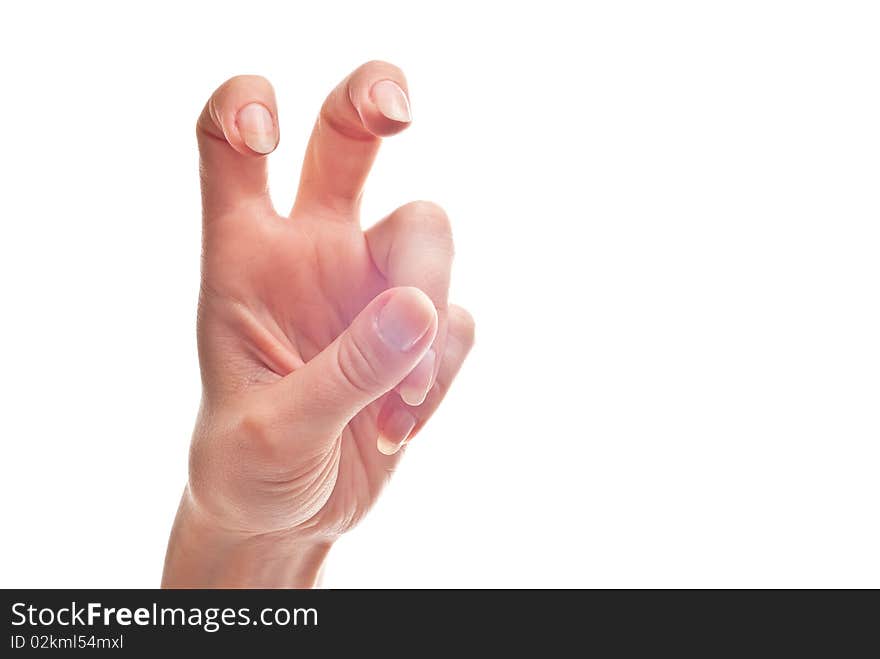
x=284, y=289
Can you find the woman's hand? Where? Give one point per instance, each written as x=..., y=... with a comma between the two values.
x=323, y=348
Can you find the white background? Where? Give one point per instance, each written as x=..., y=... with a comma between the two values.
x=667, y=218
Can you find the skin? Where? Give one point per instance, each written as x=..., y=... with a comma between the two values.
x=323, y=348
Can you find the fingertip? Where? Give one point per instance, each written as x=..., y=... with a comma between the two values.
x=242, y=113
x=379, y=92
x=395, y=428
x=417, y=384
x=386, y=447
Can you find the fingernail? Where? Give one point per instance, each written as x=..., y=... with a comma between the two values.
x=391, y=101
x=397, y=428
x=257, y=128
x=417, y=384
x=405, y=318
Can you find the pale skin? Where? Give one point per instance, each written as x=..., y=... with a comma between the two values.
x=323, y=347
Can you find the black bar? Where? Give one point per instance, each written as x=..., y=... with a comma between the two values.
x=549, y=623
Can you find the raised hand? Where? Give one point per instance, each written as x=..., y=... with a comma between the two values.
x=323, y=348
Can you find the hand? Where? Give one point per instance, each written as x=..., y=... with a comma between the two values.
x=323, y=348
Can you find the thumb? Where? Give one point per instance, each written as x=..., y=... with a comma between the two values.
x=380, y=347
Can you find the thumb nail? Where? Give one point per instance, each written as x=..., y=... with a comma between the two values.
x=406, y=318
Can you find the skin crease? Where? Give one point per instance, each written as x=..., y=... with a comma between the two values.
x=319, y=343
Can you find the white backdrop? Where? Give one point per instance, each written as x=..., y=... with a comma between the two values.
x=667, y=219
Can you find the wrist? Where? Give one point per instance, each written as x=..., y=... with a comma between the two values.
x=203, y=554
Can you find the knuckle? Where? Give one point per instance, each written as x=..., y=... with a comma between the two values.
x=387, y=68
x=434, y=283
x=255, y=429
x=426, y=211
x=463, y=324
x=429, y=217
x=246, y=80
x=356, y=367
